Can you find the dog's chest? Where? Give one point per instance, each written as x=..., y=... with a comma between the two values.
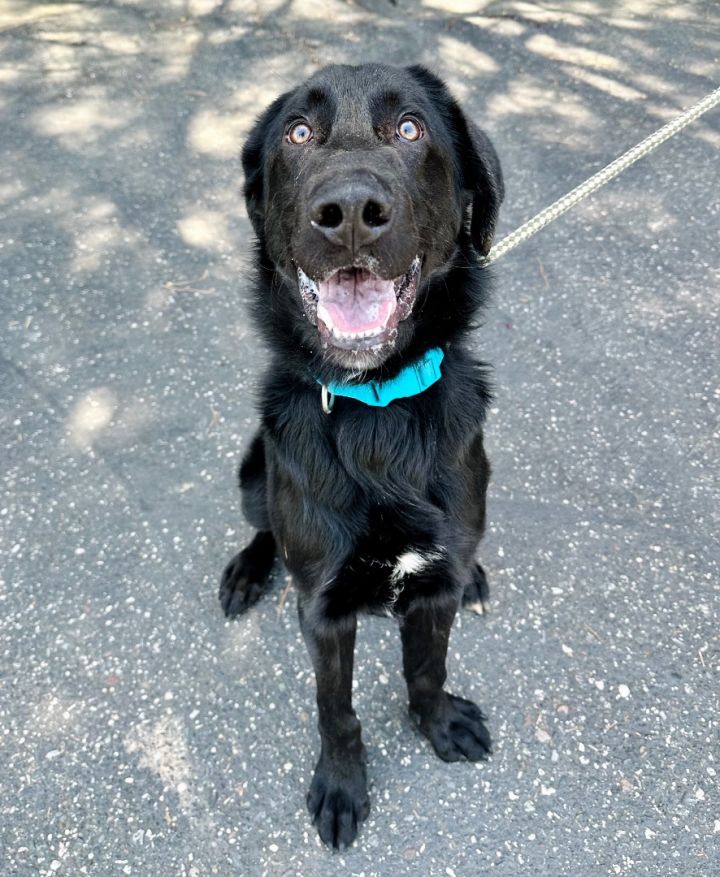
x=392, y=564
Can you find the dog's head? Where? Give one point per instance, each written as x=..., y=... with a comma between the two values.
x=367, y=187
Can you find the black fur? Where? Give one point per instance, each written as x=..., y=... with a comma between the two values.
x=342, y=496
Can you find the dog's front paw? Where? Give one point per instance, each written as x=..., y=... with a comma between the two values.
x=455, y=727
x=338, y=801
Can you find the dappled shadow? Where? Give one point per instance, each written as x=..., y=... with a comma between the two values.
x=129, y=365
x=123, y=123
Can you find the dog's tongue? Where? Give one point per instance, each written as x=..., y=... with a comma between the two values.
x=355, y=301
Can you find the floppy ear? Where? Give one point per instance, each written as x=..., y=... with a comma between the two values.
x=484, y=177
x=477, y=162
x=253, y=162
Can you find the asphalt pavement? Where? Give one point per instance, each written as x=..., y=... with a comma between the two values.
x=143, y=734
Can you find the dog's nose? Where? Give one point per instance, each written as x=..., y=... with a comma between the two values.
x=352, y=214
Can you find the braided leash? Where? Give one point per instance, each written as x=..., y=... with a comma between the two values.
x=599, y=179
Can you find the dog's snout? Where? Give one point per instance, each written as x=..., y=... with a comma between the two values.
x=352, y=214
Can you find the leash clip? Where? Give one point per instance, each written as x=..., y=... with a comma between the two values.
x=327, y=398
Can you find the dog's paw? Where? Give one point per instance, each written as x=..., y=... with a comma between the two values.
x=245, y=578
x=456, y=728
x=476, y=596
x=338, y=801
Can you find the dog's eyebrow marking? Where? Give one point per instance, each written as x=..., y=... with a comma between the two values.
x=385, y=100
x=317, y=103
x=412, y=562
x=316, y=97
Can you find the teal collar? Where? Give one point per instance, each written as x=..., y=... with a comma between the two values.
x=413, y=379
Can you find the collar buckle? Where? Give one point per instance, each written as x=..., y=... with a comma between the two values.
x=327, y=398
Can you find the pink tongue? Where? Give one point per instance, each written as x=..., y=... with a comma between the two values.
x=356, y=301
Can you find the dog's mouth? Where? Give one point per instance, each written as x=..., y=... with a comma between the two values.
x=355, y=309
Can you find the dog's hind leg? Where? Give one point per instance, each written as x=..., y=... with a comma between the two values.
x=476, y=596
x=245, y=578
x=253, y=484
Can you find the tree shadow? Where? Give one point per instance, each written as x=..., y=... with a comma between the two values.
x=125, y=252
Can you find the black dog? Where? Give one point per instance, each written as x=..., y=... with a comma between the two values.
x=371, y=196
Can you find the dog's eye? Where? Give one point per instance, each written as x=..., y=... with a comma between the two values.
x=409, y=128
x=299, y=133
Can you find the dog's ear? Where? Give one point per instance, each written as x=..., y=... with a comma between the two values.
x=253, y=162
x=482, y=169
x=477, y=162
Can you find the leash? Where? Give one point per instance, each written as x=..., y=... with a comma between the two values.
x=562, y=205
x=596, y=181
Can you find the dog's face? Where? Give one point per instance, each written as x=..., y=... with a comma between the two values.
x=365, y=185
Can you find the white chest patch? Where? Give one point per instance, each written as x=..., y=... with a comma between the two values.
x=412, y=562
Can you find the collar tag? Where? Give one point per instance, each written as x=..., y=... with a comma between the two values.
x=411, y=381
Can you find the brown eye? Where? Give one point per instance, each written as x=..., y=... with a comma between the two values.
x=409, y=129
x=300, y=133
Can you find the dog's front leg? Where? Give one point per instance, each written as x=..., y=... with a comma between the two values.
x=337, y=799
x=454, y=726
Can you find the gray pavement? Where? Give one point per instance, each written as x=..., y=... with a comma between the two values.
x=141, y=733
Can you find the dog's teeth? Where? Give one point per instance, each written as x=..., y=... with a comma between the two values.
x=354, y=336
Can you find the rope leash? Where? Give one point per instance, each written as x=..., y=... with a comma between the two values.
x=599, y=179
x=595, y=182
